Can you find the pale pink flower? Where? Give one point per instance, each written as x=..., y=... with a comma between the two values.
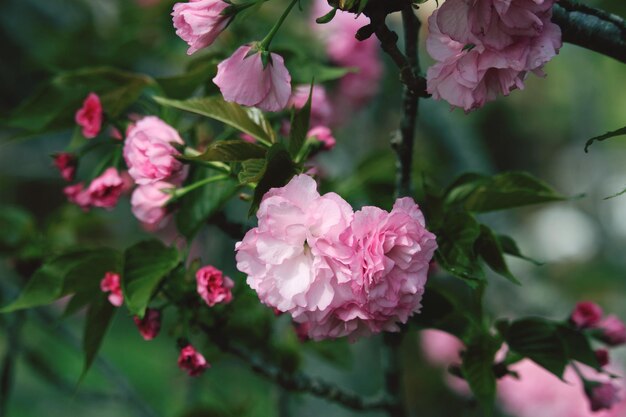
x=323, y=135
x=192, y=361
x=586, y=314
x=149, y=153
x=613, y=331
x=66, y=163
x=77, y=194
x=148, y=202
x=150, y=325
x=89, y=117
x=441, y=348
x=105, y=190
x=111, y=284
x=199, y=22
x=243, y=80
x=213, y=286
x=321, y=109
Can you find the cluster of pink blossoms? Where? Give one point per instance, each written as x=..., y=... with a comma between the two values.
x=610, y=329
x=339, y=272
x=111, y=284
x=484, y=48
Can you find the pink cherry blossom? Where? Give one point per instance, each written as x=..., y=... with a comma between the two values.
x=199, y=22
x=603, y=396
x=213, y=286
x=89, y=117
x=321, y=108
x=149, y=153
x=324, y=136
x=111, y=284
x=613, y=331
x=66, y=163
x=192, y=361
x=150, y=325
x=243, y=80
x=148, y=203
x=77, y=194
x=586, y=314
x=105, y=190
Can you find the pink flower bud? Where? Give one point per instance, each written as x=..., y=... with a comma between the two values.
x=613, y=331
x=321, y=109
x=243, y=79
x=111, y=284
x=602, y=396
x=199, y=22
x=323, y=135
x=586, y=314
x=66, y=164
x=106, y=190
x=213, y=286
x=149, y=153
x=150, y=325
x=191, y=361
x=149, y=203
x=602, y=356
x=89, y=117
x=78, y=195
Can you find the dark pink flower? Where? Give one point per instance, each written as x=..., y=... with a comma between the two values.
x=106, y=190
x=213, y=286
x=150, y=325
x=78, y=195
x=66, y=164
x=602, y=395
x=613, y=331
x=602, y=355
x=111, y=284
x=244, y=79
x=324, y=136
x=191, y=361
x=199, y=22
x=586, y=314
x=89, y=117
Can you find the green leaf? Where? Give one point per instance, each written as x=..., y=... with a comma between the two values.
x=17, y=225
x=477, y=368
x=279, y=169
x=145, y=265
x=509, y=246
x=200, y=204
x=606, y=136
x=488, y=247
x=231, y=114
x=481, y=193
x=456, y=253
x=54, y=105
x=252, y=171
x=327, y=18
x=539, y=340
x=230, y=151
x=303, y=70
x=184, y=85
x=299, y=126
x=578, y=346
x=99, y=317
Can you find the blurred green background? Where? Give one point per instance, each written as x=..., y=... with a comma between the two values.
x=541, y=129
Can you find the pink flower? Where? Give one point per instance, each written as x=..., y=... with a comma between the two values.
x=243, y=79
x=302, y=331
x=484, y=48
x=89, y=117
x=149, y=202
x=150, y=325
x=324, y=136
x=602, y=356
x=613, y=331
x=106, y=190
x=441, y=348
x=321, y=109
x=586, y=314
x=247, y=138
x=78, y=195
x=66, y=164
x=312, y=257
x=213, y=286
x=602, y=396
x=191, y=361
x=149, y=153
x=199, y=22
x=111, y=284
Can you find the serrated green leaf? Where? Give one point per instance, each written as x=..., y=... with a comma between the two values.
x=578, y=346
x=509, y=246
x=252, y=171
x=477, y=368
x=299, y=126
x=229, y=113
x=145, y=265
x=99, y=317
x=230, y=151
x=279, y=169
x=200, y=204
x=488, y=247
x=608, y=135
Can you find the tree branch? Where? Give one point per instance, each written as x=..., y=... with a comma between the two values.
x=591, y=28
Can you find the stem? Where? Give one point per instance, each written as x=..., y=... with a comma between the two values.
x=393, y=374
x=265, y=43
x=178, y=193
